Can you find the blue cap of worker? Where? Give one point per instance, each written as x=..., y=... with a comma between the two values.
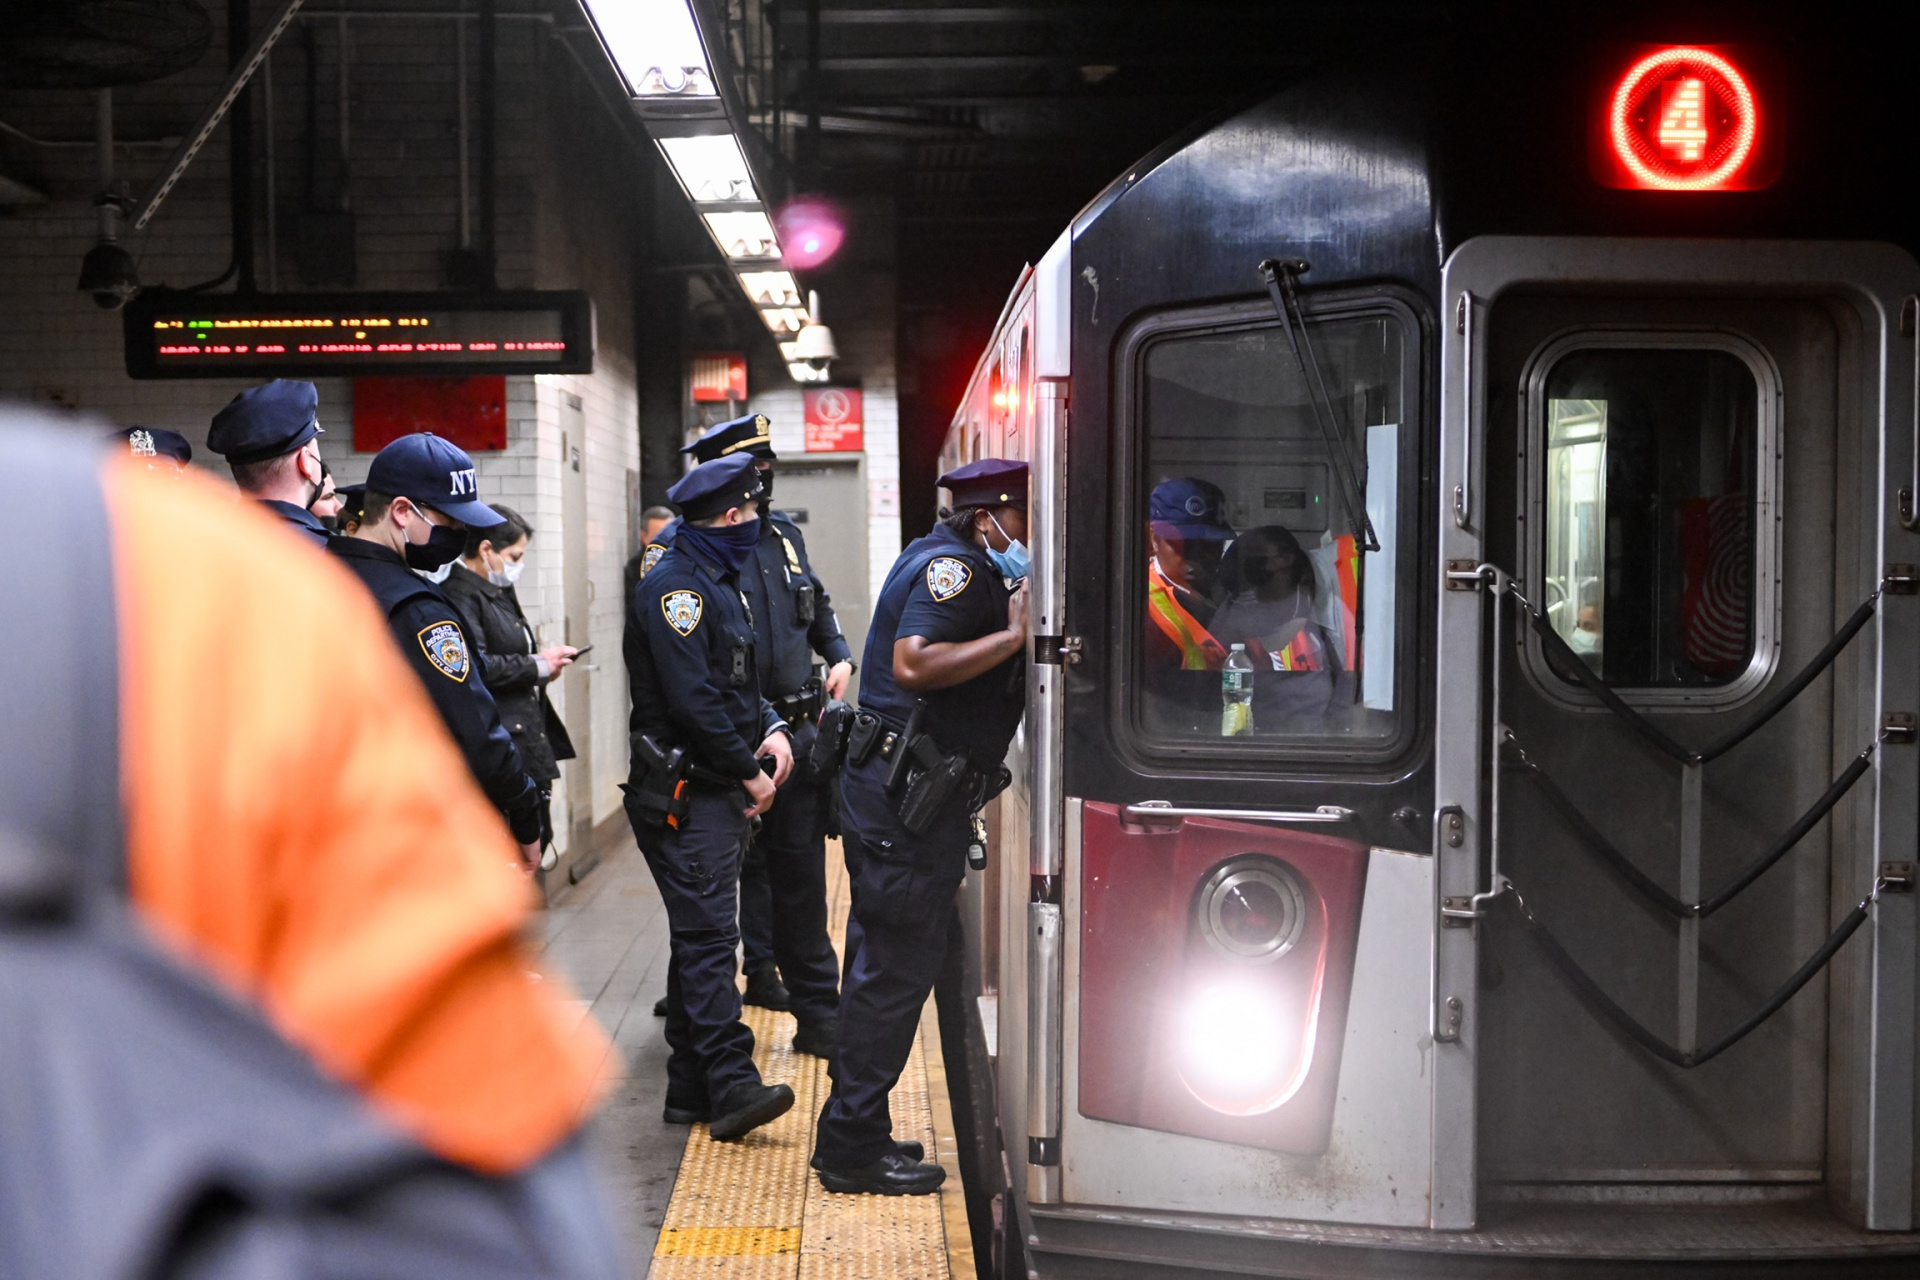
x=266, y=422
x=751, y=434
x=990, y=482
x=435, y=473
x=149, y=443
x=1187, y=507
x=713, y=487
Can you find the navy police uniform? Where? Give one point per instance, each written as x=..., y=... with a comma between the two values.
x=425, y=624
x=946, y=589
x=694, y=678
x=271, y=421
x=783, y=879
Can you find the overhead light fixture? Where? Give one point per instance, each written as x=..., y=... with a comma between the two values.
x=771, y=288
x=744, y=235
x=784, y=319
x=711, y=168
x=656, y=46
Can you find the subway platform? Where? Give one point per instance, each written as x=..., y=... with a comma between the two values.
x=687, y=1205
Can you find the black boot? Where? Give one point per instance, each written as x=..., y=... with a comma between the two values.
x=765, y=989
x=660, y=1007
x=910, y=1149
x=894, y=1174
x=686, y=1113
x=817, y=1038
x=746, y=1107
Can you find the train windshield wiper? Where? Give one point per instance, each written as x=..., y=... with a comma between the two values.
x=1280, y=275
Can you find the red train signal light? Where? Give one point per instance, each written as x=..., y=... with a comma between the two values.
x=1683, y=118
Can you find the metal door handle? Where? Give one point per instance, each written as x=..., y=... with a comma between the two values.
x=1167, y=809
x=1463, y=492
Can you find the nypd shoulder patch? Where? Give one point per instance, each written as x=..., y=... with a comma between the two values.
x=682, y=610
x=446, y=649
x=947, y=578
x=651, y=557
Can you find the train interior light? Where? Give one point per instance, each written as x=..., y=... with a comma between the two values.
x=711, y=168
x=1683, y=118
x=656, y=45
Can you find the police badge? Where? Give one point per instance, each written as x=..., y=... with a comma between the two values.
x=651, y=557
x=682, y=610
x=446, y=649
x=947, y=578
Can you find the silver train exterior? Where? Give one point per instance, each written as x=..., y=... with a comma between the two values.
x=1305, y=999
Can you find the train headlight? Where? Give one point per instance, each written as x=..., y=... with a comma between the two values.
x=1236, y=1046
x=1252, y=908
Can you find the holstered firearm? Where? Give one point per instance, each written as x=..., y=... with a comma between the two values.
x=662, y=791
x=903, y=747
x=939, y=781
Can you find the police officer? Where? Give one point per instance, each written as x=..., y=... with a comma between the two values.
x=697, y=781
x=418, y=504
x=945, y=688
x=269, y=436
x=158, y=448
x=783, y=880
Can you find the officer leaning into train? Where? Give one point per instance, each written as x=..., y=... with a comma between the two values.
x=697, y=782
x=944, y=691
x=269, y=436
x=419, y=502
x=783, y=879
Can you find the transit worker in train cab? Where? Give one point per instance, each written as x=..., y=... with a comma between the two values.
x=155, y=448
x=330, y=1038
x=269, y=436
x=699, y=733
x=789, y=959
x=1187, y=535
x=944, y=691
x=418, y=505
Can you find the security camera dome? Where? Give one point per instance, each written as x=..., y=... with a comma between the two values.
x=813, y=345
x=108, y=274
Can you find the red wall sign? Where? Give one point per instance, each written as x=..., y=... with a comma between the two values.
x=471, y=412
x=834, y=421
x=718, y=376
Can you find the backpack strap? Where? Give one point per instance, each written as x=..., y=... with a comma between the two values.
x=61, y=828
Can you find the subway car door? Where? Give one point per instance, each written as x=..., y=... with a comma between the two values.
x=1671, y=477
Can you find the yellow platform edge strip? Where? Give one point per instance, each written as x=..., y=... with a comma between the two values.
x=727, y=1242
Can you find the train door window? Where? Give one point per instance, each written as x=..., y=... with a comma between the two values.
x=1651, y=493
x=1254, y=542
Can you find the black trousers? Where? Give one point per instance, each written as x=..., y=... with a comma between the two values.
x=903, y=887
x=792, y=846
x=697, y=867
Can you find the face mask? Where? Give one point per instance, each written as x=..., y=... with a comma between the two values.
x=731, y=545
x=508, y=573
x=439, y=575
x=1014, y=563
x=766, y=488
x=443, y=546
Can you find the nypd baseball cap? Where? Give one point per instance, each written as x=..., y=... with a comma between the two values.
x=1188, y=507
x=432, y=472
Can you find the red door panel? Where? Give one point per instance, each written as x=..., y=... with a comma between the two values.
x=1216, y=960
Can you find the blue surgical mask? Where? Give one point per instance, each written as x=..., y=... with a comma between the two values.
x=1014, y=563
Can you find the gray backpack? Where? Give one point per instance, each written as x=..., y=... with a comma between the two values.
x=152, y=1125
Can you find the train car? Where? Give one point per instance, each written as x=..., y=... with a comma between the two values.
x=1466, y=811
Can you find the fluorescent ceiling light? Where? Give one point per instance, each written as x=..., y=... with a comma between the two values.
x=656, y=46
x=711, y=168
x=744, y=235
x=784, y=319
x=807, y=373
x=771, y=288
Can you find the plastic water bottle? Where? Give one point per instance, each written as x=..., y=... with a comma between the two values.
x=1236, y=693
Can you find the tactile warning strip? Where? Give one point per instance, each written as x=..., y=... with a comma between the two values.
x=752, y=1210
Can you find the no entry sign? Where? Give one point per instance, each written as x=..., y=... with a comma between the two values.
x=834, y=421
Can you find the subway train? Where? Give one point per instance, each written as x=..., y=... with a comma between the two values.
x=1464, y=822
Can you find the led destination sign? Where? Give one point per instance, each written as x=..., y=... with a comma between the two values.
x=181, y=335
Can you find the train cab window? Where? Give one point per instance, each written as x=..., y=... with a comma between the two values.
x=1263, y=618
x=1648, y=494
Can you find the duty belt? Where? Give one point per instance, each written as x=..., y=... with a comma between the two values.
x=802, y=705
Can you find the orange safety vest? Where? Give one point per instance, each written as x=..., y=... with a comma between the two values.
x=1346, y=567
x=300, y=824
x=1199, y=651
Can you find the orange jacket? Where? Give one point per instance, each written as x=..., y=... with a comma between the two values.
x=299, y=822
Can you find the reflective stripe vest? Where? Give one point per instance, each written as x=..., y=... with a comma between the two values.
x=1199, y=651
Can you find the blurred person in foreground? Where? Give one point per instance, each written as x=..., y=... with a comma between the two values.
x=331, y=1055
x=514, y=668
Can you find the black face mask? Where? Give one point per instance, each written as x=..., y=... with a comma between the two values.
x=442, y=546
x=766, y=487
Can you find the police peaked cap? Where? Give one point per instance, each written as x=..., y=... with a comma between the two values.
x=266, y=422
x=751, y=435
x=717, y=486
x=990, y=482
x=155, y=442
x=432, y=472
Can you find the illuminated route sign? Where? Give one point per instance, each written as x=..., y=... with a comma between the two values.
x=1685, y=118
x=183, y=335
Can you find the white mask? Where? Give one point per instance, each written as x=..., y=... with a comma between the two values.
x=508, y=573
x=437, y=575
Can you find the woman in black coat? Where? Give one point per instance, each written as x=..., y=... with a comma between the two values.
x=513, y=669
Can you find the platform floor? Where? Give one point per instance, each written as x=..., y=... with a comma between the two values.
x=690, y=1206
